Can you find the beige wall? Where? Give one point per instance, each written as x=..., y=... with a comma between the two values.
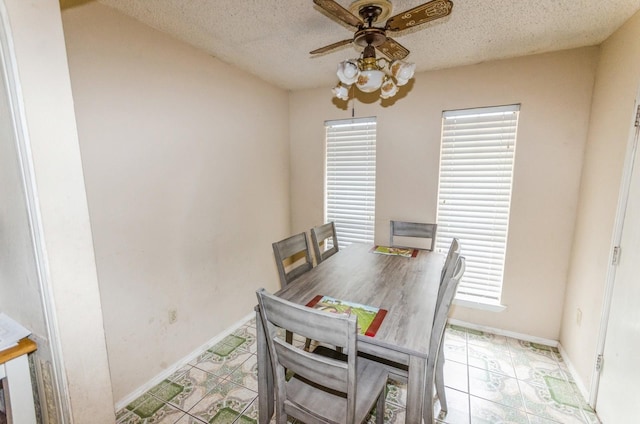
x=555, y=92
x=187, y=170
x=617, y=82
x=68, y=269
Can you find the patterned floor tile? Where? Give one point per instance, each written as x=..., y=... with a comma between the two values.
x=396, y=393
x=225, y=404
x=188, y=419
x=248, y=335
x=457, y=408
x=495, y=387
x=455, y=350
x=456, y=376
x=455, y=332
x=534, y=350
x=493, y=341
x=591, y=417
x=490, y=359
x=196, y=384
x=487, y=412
x=222, y=362
x=534, y=419
x=246, y=375
x=556, y=402
x=151, y=410
x=535, y=370
x=393, y=414
x=489, y=379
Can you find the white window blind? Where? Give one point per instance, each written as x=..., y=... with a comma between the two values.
x=474, y=194
x=350, y=178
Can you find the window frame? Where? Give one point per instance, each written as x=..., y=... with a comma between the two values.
x=477, y=162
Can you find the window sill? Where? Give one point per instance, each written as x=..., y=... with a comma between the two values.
x=472, y=303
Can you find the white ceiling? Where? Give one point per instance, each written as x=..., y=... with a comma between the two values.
x=273, y=38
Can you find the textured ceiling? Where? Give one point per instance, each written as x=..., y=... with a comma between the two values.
x=273, y=38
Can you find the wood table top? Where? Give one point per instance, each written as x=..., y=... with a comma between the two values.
x=406, y=287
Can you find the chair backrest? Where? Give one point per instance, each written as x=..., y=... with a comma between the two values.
x=315, y=370
x=286, y=249
x=442, y=307
x=319, y=235
x=449, y=265
x=413, y=229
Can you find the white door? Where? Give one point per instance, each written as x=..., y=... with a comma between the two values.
x=618, y=399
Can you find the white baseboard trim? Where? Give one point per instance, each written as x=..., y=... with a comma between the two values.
x=574, y=374
x=501, y=332
x=179, y=364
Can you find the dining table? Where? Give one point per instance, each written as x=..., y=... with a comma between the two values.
x=406, y=287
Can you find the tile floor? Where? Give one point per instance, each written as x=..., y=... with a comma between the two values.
x=490, y=379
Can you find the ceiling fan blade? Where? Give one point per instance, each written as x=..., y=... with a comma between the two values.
x=334, y=9
x=427, y=12
x=331, y=46
x=393, y=50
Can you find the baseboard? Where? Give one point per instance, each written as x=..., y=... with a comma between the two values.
x=501, y=332
x=574, y=373
x=179, y=364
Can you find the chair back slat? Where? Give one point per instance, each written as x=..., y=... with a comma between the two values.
x=287, y=250
x=449, y=266
x=328, y=372
x=319, y=237
x=412, y=229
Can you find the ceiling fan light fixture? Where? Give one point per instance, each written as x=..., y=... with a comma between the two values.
x=370, y=80
x=365, y=17
x=348, y=71
x=402, y=71
x=388, y=89
x=341, y=92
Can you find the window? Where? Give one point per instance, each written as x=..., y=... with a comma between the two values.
x=474, y=194
x=350, y=178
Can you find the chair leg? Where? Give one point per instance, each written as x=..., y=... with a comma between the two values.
x=380, y=407
x=440, y=381
x=427, y=407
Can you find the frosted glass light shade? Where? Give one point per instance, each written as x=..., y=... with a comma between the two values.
x=347, y=72
x=402, y=71
x=341, y=92
x=388, y=89
x=369, y=81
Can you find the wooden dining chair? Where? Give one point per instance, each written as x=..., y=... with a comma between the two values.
x=448, y=270
x=412, y=229
x=319, y=237
x=314, y=388
x=435, y=360
x=286, y=253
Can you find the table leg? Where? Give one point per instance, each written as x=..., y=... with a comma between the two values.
x=265, y=375
x=415, y=392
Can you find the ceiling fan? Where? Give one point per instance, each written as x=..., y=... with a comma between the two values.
x=372, y=11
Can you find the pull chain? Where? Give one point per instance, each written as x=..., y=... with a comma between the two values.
x=353, y=101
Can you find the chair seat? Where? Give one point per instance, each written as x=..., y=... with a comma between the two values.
x=372, y=378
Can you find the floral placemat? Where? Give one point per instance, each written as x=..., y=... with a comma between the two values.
x=395, y=251
x=369, y=317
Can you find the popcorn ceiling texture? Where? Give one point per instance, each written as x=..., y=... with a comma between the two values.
x=272, y=39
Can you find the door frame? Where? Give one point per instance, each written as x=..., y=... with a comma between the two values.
x=621, y=209
x=8, y=65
